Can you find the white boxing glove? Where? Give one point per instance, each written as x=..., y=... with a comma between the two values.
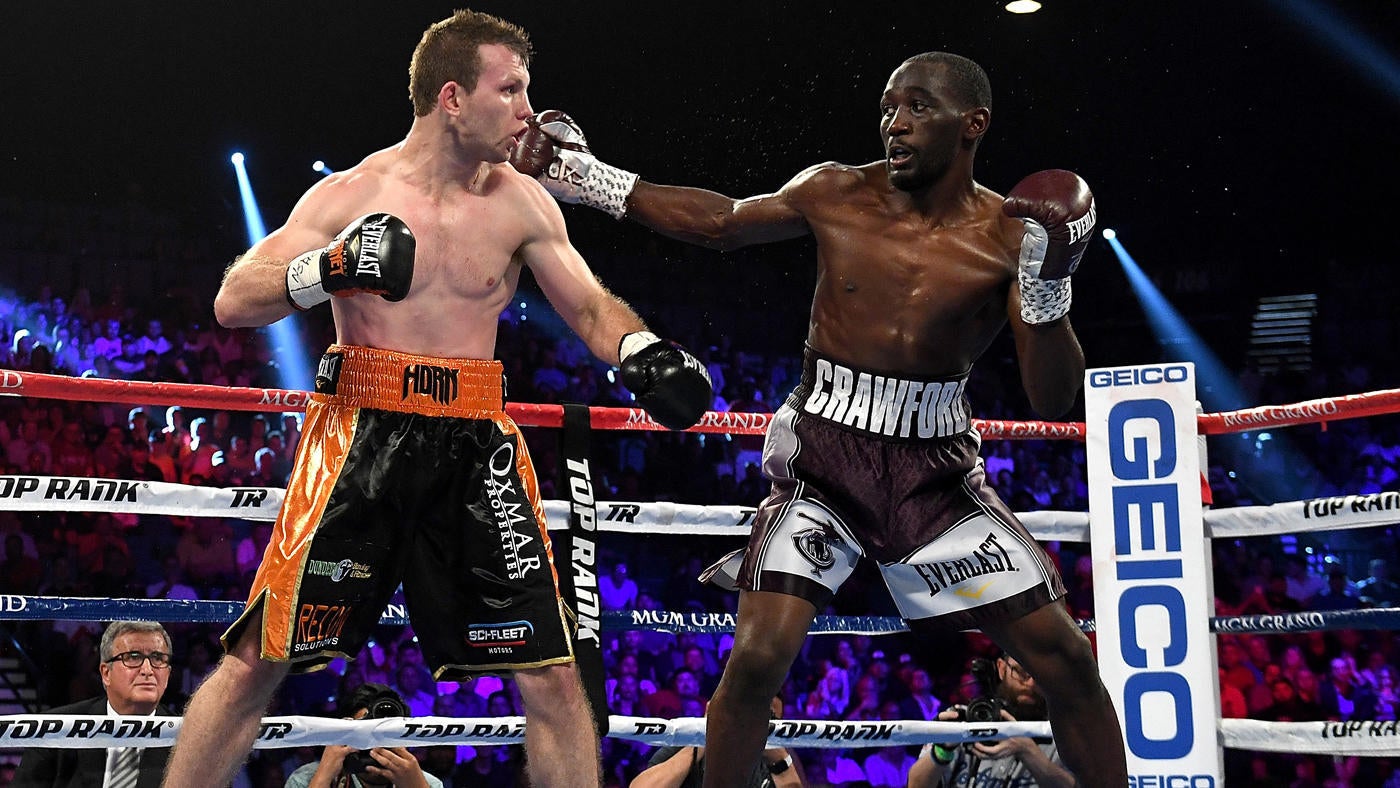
x=554, y=151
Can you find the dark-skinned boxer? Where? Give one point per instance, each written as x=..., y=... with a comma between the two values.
x=873, y=455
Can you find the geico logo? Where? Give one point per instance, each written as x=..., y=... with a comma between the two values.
x=1143, y=456
x=1137, y=376
x=1171, y=781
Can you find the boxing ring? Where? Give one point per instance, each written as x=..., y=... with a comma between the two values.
x=50, y=493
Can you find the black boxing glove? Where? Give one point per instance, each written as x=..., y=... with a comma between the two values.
x=374, y=254
x=670, y=384
x=1058, y=211
x=554, y=151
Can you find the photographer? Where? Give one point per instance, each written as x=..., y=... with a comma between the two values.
x=1018, y=761
x=346, y=767
x=684, y=767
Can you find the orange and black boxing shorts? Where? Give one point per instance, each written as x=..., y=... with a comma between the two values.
x=410, y=471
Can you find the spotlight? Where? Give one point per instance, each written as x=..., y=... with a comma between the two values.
x=1023, y=6
x=1109, y=234
x=283, y=334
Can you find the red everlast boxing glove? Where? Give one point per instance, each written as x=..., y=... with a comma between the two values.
x=374, y=255
x=1058, y=211
x=554, y=151
x=670, y=384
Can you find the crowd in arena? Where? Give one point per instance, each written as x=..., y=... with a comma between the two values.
x=1339, y=675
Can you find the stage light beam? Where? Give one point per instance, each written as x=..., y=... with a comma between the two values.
x=285, y=333
x=1216, y=386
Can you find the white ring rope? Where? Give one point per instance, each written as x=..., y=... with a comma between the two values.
x=55, y=493
x=67, y=493
x=72, y=731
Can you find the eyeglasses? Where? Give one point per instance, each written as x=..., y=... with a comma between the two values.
x=134, y=659
x=1017, y=671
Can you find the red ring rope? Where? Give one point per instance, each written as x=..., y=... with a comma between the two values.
x=34, y=384
x=132, y=392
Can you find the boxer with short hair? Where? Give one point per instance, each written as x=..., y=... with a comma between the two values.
x=874, y=456
x=409, y=468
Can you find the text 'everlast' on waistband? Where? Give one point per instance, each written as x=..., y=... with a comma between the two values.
x=885, y=405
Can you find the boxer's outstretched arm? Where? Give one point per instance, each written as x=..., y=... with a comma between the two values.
x=555, y=151
x=712, y=220
x=669, y=382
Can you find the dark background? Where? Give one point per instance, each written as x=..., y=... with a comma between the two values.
x=1237, y=150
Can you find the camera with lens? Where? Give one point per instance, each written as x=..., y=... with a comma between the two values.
x=986, y=707
x=382, y=707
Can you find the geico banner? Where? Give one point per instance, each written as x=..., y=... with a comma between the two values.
x=67, y=493
x=1152, y=589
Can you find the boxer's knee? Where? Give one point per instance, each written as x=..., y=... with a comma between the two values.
x=758, y=667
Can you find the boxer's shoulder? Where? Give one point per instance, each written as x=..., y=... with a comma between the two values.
x=832, y=184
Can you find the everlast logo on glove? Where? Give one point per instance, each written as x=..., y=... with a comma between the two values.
x=373, y=254
x=1081, y=227
x=670, y=383
x=370, y=234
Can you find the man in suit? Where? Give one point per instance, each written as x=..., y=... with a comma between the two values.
x=921, y=704
x=135, y=669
